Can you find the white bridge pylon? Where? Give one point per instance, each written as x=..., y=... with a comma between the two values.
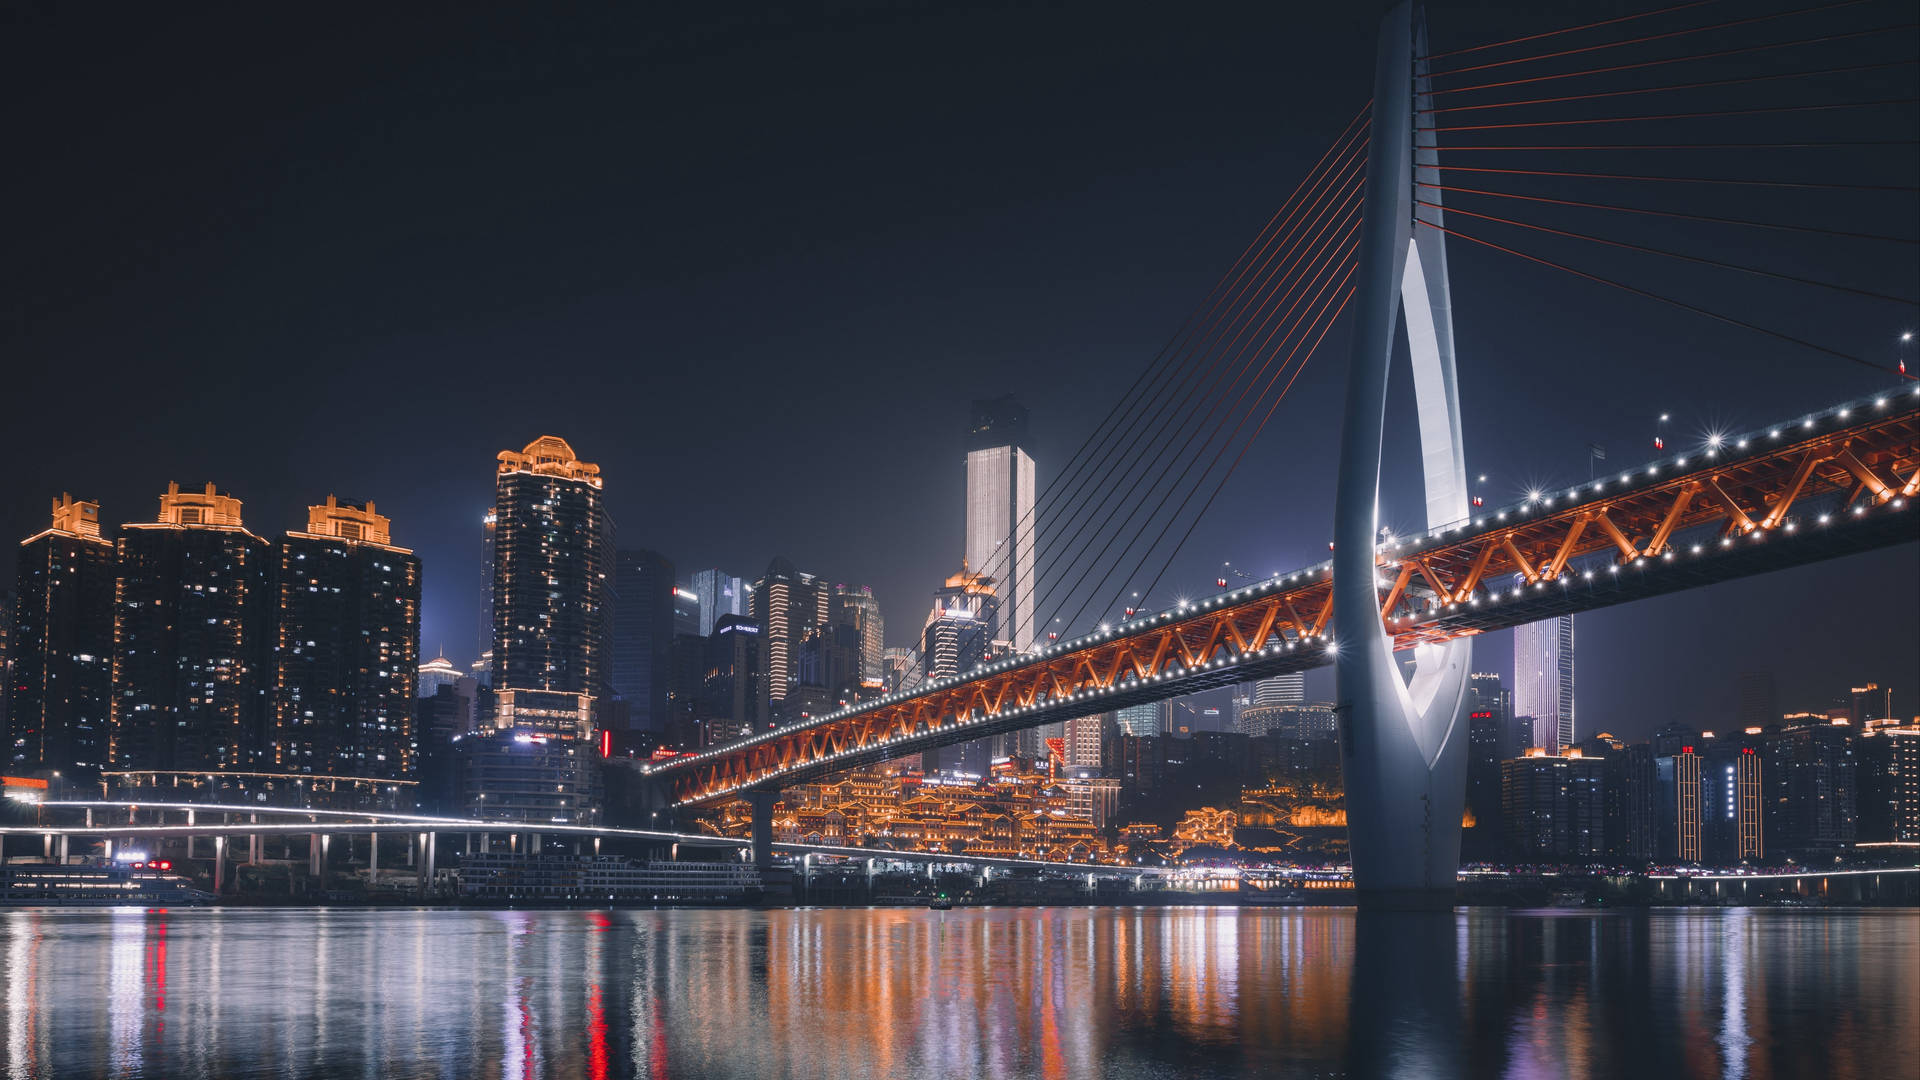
x=1403, y=747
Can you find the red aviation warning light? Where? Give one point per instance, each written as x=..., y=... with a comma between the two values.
x=1130, y=612
x=1659, y=443
x=1478, y=501
x=1220, y=583
x=606, y=742
x=1053, y=635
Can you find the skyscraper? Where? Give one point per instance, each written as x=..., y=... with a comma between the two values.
x=483, y=642
x=1486, y=737
x=552, y=558
x=855, y=606
x=734, y=699
x=720, y=593
x=61, y=645
x=1000, y=522
x=788, y=605
x=346, y=649
x=1543, y=674
x=1147, y=718
x=1290, y=689
x=190, y=638
x=643, y=609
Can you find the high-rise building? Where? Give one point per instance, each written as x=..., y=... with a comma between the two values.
x=1289, y=689
x=788, y=605
x=436, y=673
x=192, y=611
x=1870, y=702
x=1678, y=826
x=483, y=641
x=1000, y=522
x=59, y=652
x=346, y=648
x=734, y=702
x=1758, y=704
x=1632, y=798
x=6, y=660
x=1555, y=806
x=553, y=557
x=1487, y=729
x=686, y=692
x=1084, y=736
x=1142, y=720
x=1819, y=790
x=643, y=619
x=1543, y=677
x=719, y=593
x=966, y=619
x=854, y=606
x=1731, y=829
x=1888, y=774
x=686, y=611
x=900, y=667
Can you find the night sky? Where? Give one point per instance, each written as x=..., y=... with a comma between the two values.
x=756, y=264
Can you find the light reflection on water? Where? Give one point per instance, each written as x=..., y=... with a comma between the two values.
x=898, y=993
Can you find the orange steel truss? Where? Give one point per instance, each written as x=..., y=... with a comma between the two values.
x=1856, y=459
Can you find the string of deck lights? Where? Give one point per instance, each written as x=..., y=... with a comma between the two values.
x=1535, y=504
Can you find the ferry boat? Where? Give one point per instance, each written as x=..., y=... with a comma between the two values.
x=502, y=877
x=53, y=884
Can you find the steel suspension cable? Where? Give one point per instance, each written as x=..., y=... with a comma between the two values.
x=1210, y=301
x=1632, y=91
x=1709, y=114
x=1347, y=245
x=1126, y=460
x=1671, y=254
x=1556, y=147
x=1667, y=35
x=1624, y=287
x=1567, y=30
x=1708, y=218
x=1688, y=59
x=1733, y=181
x=1209, y=403
x=1325, y=303
x=1228, y=475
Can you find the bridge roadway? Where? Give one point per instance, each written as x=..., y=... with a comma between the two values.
x=1831, y=483
x=295, y=821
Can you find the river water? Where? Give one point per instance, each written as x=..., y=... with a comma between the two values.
x=907, y=993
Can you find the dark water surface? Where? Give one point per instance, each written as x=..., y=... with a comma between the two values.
x=1020, y=992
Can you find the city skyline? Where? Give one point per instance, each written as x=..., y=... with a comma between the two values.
x=343, y=297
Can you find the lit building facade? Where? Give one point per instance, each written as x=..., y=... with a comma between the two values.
x=1487, y=729
x=1679, y=826
x=1141, y=721
x=1554, y=807
x=643, y=618
x=191, y=664
x=1543, y=678
x=1889, y=782
x=1000, y=522
x=59, y=649
x=1730, y=805
x=734, y=697
x=483, y=639
x=436, y=673
x=553, y=556
x=719, y=593
x=854, y=606
x=1290, y=689
x=788, y=605
x=346, y=650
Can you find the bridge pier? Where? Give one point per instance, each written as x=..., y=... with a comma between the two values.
x=426, y=862
x=762, y=804
x=1403, y=748
x=219, y=864
x=373, y=857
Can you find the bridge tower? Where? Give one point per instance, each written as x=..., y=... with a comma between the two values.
x=1403, y=744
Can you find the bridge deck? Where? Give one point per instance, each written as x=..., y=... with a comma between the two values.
x=1830, y=483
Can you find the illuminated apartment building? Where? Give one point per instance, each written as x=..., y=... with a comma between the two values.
x=788, y=605
x=190, y=659
x=61, y=646
x=553, y=553
x=346, y=647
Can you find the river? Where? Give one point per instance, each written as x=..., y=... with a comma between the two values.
x=906, y=994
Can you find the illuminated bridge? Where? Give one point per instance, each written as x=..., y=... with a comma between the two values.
x=1830, y=483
